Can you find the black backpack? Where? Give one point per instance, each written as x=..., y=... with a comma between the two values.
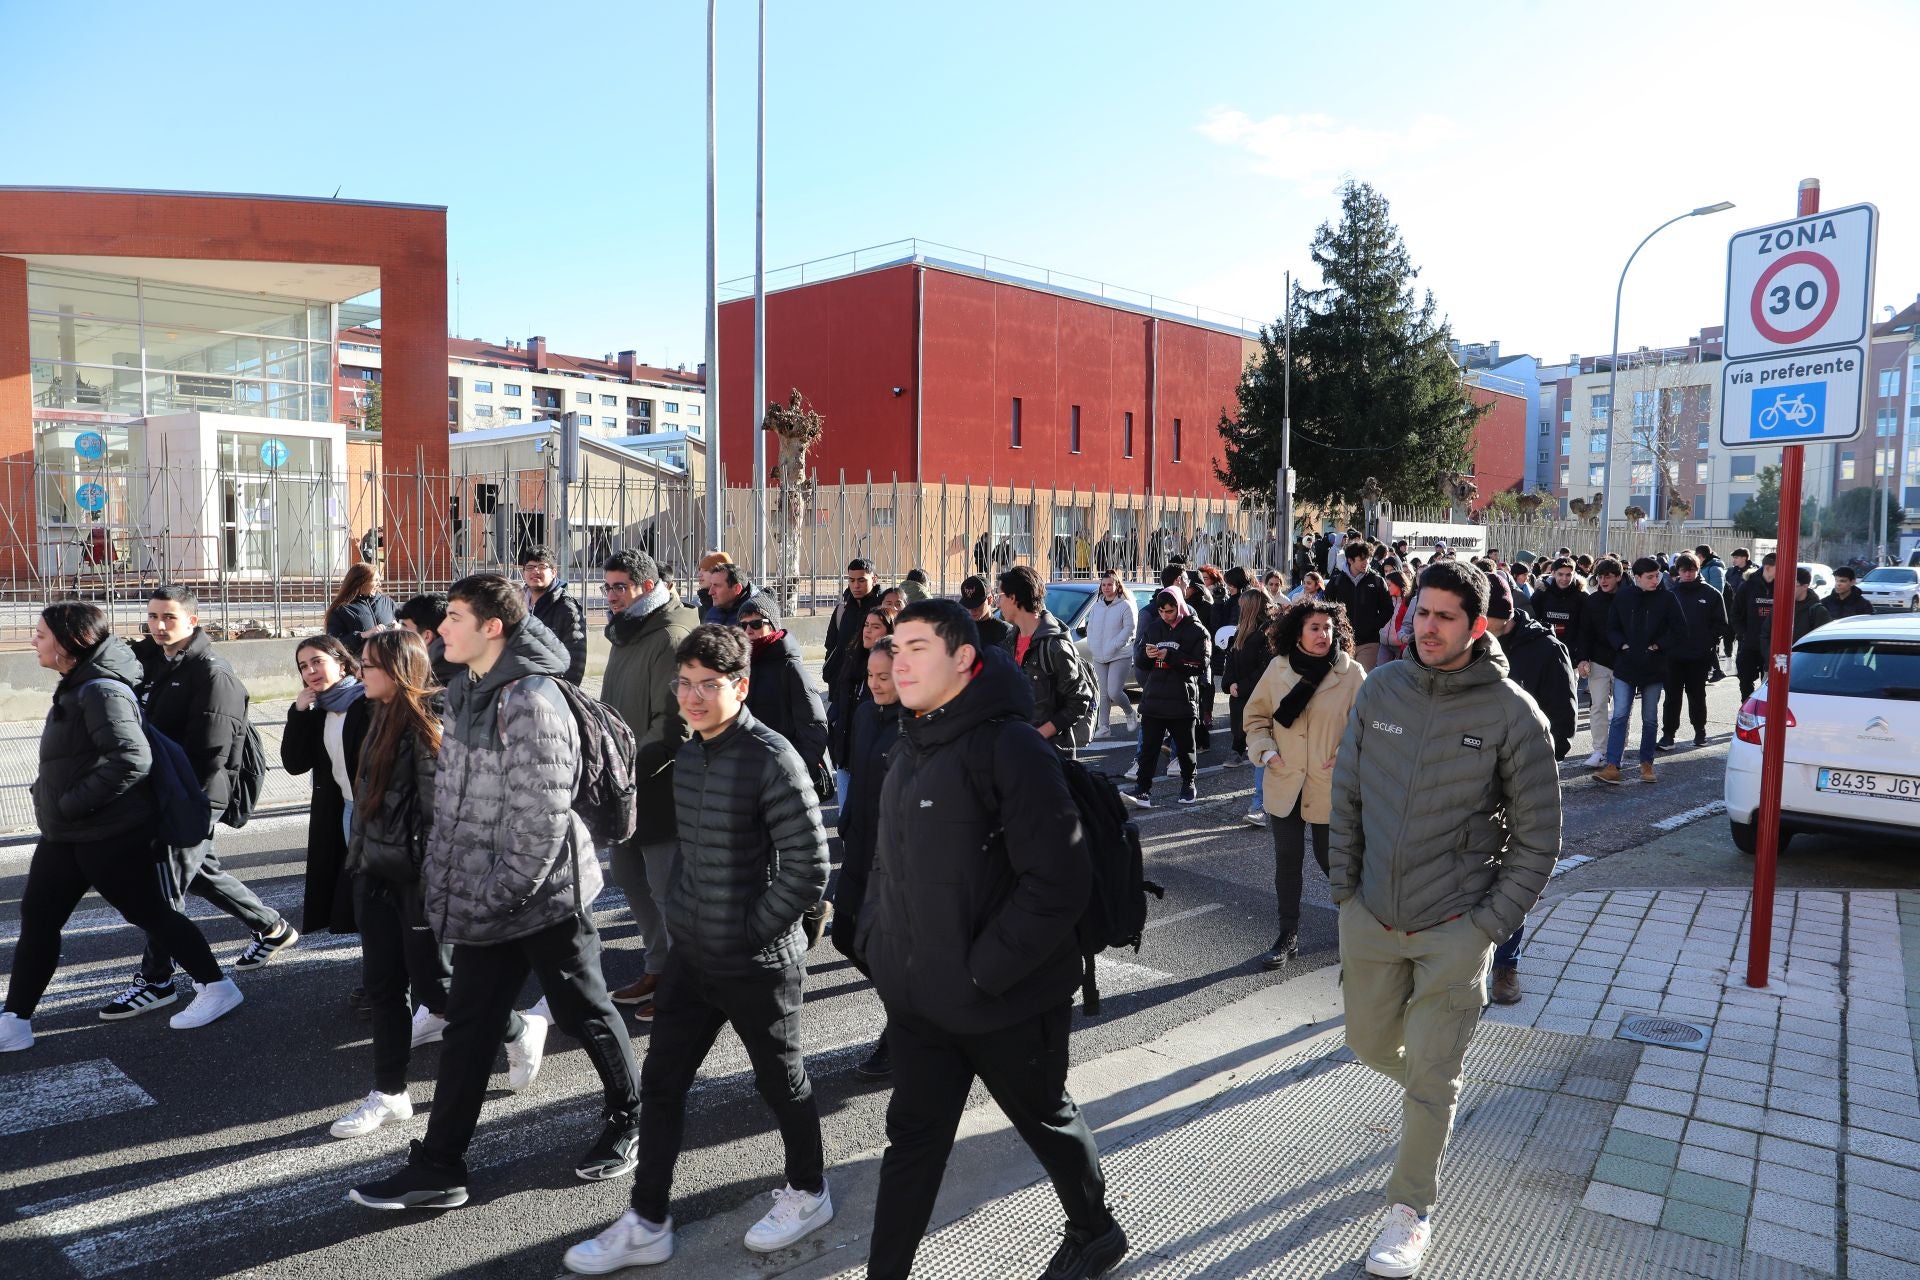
x=1116, y=912
x=605, y=797
x=248, y=780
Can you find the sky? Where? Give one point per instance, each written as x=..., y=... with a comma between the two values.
x=1187, y=151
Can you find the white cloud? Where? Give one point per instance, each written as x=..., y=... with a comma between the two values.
x=1312, y=147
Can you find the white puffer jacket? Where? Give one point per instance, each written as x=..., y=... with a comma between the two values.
x=1110, y=628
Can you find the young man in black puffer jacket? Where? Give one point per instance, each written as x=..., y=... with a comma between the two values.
x=979, y=878
x=753, y=860
x=558, y=606
x=1691, y=661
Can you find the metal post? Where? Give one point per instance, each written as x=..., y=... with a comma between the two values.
x=716, y=524
x=1283, y=503
x=1773, y=742
x=760, y=315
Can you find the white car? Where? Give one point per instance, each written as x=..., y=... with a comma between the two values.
x=1822, y=576
x=1892, y=589
x=1853, y=741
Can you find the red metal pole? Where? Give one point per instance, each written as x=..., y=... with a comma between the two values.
x=1773, y=749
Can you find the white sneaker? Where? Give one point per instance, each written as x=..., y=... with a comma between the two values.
x=372, y=1112
x=214, y=1000
x=1255, y=817
x=540, y=1010
x=629, y=1242
x=16, y=1033
x=524, y=1054
x=794, y=1214
x=1401, y=1244
x=1597, y=759
x=428, y=1027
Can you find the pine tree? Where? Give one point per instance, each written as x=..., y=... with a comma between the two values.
x=1375, y=390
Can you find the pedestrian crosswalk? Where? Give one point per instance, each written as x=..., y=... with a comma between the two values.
x=67, y=1094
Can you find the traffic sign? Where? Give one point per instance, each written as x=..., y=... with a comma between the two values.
x=1799, y=304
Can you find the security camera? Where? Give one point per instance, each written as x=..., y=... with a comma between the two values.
x=899, y=391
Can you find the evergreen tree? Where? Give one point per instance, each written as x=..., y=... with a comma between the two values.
x=1375, y=390
x=1761, y=514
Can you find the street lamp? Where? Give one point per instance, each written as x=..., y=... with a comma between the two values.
x=1613, y=368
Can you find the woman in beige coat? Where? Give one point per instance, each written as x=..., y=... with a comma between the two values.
x=1293, y=725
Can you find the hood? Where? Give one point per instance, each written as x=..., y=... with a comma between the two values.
x=625, y=627
x=532, y=650
x=1185, y=609
x=998, y=691
x=111, y=659
x=1488, y=666
x=1526, y=631
x=1048, y=627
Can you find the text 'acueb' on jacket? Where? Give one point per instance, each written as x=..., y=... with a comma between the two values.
x=195, y=698
x=94, y=756
x=753, y=855
x=507, y=857
x=973, y=897
x=1446, y=797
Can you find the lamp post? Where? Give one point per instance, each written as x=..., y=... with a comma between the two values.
x=1613, y=367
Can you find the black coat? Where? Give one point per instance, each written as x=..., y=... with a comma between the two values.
x=328, y=902
x=1243, y=668
x=780, y=698
x=876, y=729
x=1752, y=619
x=362, y=613
x=196, y=699
x=94, y=757
x=848, y=691
x=1368, y=602
x=995, y=634
x=1559, y=609
x=389, y=842
x=1170, y=684
x=1050, y=660
x=1854, y=606
x=1591, y=631
x=753, y=855
x=565, y=615
x=843, y=632
x=1705, y=612
x=1643, y=630
x=1540, y=664
x=980, y=873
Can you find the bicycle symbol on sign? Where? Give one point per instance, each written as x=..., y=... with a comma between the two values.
x=1794, y=409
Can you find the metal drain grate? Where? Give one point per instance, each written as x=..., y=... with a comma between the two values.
x=1672, y=1033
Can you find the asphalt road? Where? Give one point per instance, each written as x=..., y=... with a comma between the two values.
x=132, y=1149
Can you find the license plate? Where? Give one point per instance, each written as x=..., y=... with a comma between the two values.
x=1890, y=786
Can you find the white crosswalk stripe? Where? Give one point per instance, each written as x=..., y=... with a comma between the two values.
x=67, y=1094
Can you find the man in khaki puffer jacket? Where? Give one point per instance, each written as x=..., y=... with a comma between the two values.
x=1433, y=864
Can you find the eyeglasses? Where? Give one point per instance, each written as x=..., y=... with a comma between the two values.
x=704, y=691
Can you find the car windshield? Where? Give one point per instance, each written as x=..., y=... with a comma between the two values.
x=1904, y=576
x=1068, y=600
x=1858, y=668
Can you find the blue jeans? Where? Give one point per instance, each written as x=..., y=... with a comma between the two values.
x=1256, y=804
x=1508, y=955
x=1623, y=695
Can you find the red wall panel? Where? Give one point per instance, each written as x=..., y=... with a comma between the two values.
x=1499, y=444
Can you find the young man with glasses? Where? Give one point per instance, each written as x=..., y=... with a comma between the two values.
x=751, y=867
x=647, y=623
x=551, y=599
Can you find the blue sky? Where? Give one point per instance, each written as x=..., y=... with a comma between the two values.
x=1187, y=150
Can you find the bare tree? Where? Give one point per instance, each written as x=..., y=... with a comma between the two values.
x=1657, y=424
x=798, y=428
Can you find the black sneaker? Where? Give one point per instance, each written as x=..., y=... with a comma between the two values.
x=1715, y=676
x=1699, y=739
x=1137, y=798
x=1189, y=794
x=1665, y=744
x=612, y=1154
x=1082, y=1255
x=420, y=1185
x=877, y=1065
x=266, y=945
x=141, y=997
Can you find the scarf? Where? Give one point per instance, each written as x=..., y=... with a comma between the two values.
x=763, y=643
x=340, y=696
x=1311, y=671
x=622, y=624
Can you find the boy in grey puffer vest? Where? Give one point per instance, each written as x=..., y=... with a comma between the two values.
x=509, y=879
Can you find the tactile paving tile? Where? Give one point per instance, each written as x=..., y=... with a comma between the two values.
x=1281, y=1175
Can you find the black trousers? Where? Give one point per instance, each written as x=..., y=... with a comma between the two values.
x=486, y=980
x=689, y=1008
x=223, y=891
x=1289, y=860
x=1750, y=665
x=120, y=870
x=1024, y=1067
x=1689, y=676
x=400, y=962
x=1153, y=730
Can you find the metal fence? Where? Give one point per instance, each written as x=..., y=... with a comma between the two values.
x=265, y=550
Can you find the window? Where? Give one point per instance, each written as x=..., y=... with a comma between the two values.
x=670, y=406
x=1176, y=439
x=482, y=388
x=1643, y=411
x=1700, y=473
x=1602, y=404
x=880, y=517
x=1846, y=464
x=511, y=389
x=1073, y=429
x=1013, y=437
x=609, y=402
x=1889, y=382
x=1566, y=444
x=1545, y=456
x=693, y=411
x=1566, y=412
x=1566, y=473
x=1742, y=465
x=1735, y=501
x=1597, y=444
x=483, y=411
x=1886, y=422
x=583, y=397
x=511, y=413
x=1126, y=434
x=1597, y=473
x=609, y=422
x=1704, y=437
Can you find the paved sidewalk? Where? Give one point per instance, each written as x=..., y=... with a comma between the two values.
x=1789, y=1147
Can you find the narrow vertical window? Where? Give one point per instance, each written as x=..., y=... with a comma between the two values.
x=1074, y=429
x=1015, y=438
x=1176, y=439
x=1127, y=433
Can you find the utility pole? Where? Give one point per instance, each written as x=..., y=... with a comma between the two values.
x=716, y=522
x=760, y=564
x=1283, y=489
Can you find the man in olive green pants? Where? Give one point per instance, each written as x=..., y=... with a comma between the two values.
x=1432, y=864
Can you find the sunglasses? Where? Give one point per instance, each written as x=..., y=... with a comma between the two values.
x=756, y=624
